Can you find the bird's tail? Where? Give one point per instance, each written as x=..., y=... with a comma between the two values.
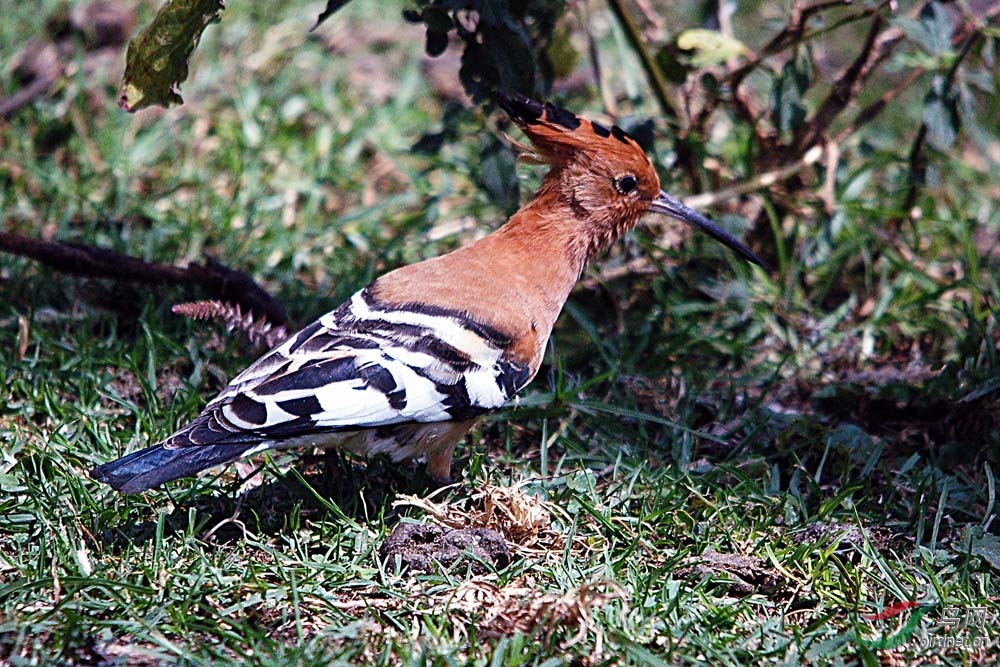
x=155, y=465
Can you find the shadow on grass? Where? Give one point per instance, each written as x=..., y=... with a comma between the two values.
x=317, y=489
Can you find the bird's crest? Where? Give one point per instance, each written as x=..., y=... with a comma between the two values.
x=558, y=135
x=601, y=173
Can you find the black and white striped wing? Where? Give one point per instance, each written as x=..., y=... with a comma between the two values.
x=362, y=367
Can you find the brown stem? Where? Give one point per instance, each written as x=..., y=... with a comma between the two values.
x=844, y=89
x=917, y=159
x=794, y=32
x=670, y=105
x=25, y=96
x=871, y=112
x=874, y=53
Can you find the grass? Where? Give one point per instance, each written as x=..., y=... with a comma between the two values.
x=715, y=466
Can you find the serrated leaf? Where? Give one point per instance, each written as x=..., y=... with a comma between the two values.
x=941, y=116
x=710, y=47
x=787, y=107
x=157, y=58
x=498, y=173
x=932, y=30
x=331, y=7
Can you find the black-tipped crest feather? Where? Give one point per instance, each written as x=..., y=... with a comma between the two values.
x=520, y=108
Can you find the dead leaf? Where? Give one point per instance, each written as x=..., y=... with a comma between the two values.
x=157, y=58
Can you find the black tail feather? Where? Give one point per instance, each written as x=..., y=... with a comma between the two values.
x=156, y=465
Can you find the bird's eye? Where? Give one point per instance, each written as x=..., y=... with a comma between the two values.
x=626, y=184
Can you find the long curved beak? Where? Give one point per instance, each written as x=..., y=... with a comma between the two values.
x=671, y=206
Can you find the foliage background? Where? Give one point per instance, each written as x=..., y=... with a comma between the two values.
x=736, y=466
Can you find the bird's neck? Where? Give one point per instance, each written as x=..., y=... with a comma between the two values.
x=516, y=279
x=550, y=228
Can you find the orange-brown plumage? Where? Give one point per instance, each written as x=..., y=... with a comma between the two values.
x=522, y=274
x=409, y=363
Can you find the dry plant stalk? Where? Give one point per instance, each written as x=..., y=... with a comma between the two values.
x=521, y=518
x=258, y=330
x=519, y=608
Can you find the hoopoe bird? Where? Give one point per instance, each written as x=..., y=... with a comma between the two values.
x=408, y=364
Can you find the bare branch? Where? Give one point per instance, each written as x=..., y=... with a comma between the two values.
x=794, y=33
x=84, y=260
x=668, y=101
x=844, y=89
x=871, y=112
x=875, y=51
x=9, y=106
x=917, y=159
x=759, y=181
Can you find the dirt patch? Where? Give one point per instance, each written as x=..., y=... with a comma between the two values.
x=848, y=537
x=126, y=385
x=744, y=575
x=523, y=519
x=426, y=548
x=520, y=608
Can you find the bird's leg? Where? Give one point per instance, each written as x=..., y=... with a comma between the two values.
x=439, y=464
x=440, y=446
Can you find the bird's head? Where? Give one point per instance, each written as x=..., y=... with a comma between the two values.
x=601, y=174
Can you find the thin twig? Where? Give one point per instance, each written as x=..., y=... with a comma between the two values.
x=607, y=99
x=844, y=89
x=878, y=51
x=668, y=102
x=9, y=106
x=871, y=112
x=807, y=147
x=917, y=159
x=828, y=191
x=794, y=32
x=765, y=180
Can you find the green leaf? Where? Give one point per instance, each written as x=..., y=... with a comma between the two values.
x=435, y=43
x=157, y=58
x=511, y=46
x=331, y=7
x=941, y=115
x=710, y=47
x=937, y=24
x=498, y=173
x=671, y=64
x=932, y=30
x=787, y=107
x=437, y=19
x=979, y=543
